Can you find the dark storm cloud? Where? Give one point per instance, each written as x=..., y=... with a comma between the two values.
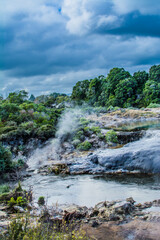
x=134, y=24
x=49, y=45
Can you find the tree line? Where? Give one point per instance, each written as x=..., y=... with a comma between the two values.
x=120, y=88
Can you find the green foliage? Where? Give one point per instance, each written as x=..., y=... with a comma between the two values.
x=5, y=159
x=153, y=105
x=79, y=92
x=79, y=135
x=95, y=129
x=125, y=92
x=141, y=78
x=85, y=146
x=94, y=90
x=76, y=142
x=4, y=189
x=111, y=137
x=154, y=73
x=11, y=202
x=84, y=121
x=41, y=200
x=18, y=97
x=151, y=92
x=114, y=77
x=20, y=201
x=8, y=111
x=22, y=228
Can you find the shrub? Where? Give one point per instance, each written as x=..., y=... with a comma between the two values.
x=111, y=136
x=5, y=159
x=11, y=202
x=84, y=121
x=79, y=135
x=95, y=130
x=41, y=200
x=4, y=189
x=153, y=105
x=76, y=142
x=85, y=146
x=22, y=228
x=22, y=202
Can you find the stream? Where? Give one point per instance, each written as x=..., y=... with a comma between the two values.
x=88, y=189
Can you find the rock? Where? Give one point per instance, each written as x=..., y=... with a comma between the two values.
x=130, y=199
x=94, y=159
x=19, y=209
x=95, y=224
x=2, y=215
x=124, y=208
x=114, y=217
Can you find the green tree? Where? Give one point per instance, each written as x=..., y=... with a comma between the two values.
x=18, y=97
x=114, y=77
x=125, y=92
x=151, y=92
x=79, y=92
x=154, y=73
x=32, y=98
x=141, y=77
x=94, y=90
x=7, y=110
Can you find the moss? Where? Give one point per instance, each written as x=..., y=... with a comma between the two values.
x=111, y=136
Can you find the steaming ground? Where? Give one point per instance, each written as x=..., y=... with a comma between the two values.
x=66, y=126
x=142, y=155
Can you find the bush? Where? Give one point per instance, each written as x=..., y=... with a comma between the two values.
x=79, y=135
x=41, y=200
x=111, y=136
x=153, y=105
x=4, y=189
x=85, y=146
x=20, y=201
x=95, y=130
x=76, y=142
x=22, y=228
x=5, y=159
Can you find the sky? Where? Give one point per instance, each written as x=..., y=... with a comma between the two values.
x=48, y=45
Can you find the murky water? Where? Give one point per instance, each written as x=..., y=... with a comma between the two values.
x=88, y=190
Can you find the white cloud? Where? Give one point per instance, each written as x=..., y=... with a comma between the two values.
x=144, y=6
x=43, y=11
x=107, y=20
x=79, y=17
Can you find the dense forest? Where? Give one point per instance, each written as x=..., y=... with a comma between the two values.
x=120, y=89
x=23, y=118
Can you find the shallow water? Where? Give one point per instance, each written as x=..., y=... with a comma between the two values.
x=88, y=190
x=137, y=125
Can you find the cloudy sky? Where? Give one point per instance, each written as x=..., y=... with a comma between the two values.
x=48, y=45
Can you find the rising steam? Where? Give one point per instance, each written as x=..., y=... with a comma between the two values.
x=68, y=123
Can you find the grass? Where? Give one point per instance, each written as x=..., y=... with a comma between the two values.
x=29, y=228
